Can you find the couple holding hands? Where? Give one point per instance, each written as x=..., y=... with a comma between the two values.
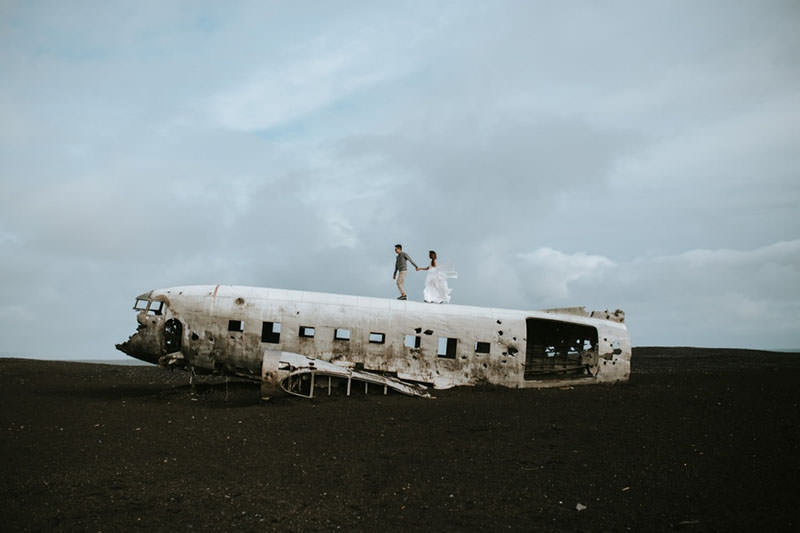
x=436, y=289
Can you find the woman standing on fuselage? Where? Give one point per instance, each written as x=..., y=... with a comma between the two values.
x=436, y=289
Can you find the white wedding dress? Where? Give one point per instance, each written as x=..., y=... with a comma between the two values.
x=436, y=289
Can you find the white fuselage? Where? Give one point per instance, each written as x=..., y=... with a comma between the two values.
x=228, y=329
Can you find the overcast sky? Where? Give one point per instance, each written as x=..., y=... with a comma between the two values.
x=634, y=155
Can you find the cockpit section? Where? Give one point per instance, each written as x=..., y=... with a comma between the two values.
x=155, y=336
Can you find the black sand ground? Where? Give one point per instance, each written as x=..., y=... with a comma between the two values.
x=701, y=440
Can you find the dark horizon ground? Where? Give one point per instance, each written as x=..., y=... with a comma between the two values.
x=698, y=440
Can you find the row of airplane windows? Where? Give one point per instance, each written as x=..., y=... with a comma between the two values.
x=271, y=333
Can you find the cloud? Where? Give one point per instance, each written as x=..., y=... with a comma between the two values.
x=555, y=270
x=717, y=297
x=628, y=156
x=309, y=76
x=341, y=232
x=292, y=91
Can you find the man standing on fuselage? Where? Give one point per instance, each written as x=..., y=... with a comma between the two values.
x=400, y=269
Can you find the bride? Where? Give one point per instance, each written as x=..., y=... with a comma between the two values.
x=436, y=289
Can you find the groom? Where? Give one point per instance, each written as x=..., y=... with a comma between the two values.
x=400, y=269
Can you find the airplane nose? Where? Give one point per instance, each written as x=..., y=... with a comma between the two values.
x=143, y=345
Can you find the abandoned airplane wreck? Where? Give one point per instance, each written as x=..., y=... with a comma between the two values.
x=309, y=344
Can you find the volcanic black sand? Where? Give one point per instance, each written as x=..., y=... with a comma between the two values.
x=699, y=439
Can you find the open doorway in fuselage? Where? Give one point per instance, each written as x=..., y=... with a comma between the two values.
x=173, y=333
x=557, y=349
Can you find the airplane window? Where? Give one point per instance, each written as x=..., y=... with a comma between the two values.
x=482, y=347
x=155, y=307
x=235, y=325
x=412, y=341
x=140, y=305
x=447, y=347
x=341, y=334
x=271, y=332
x=306, y=331
x=377, y=338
